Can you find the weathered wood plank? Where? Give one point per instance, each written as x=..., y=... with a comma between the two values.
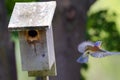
x=42, y=73
x=32, y=14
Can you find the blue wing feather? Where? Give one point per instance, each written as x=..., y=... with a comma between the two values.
x=82, y=46
x=82, y=59
x=98, y=43
x=103, y=54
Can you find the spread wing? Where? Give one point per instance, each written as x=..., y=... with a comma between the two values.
x=101, y=54
x=83, y=59
x=82, y=46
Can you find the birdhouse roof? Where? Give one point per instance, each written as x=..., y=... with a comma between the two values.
x=32, y=15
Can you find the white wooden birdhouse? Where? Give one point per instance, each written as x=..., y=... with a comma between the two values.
x=33, y=21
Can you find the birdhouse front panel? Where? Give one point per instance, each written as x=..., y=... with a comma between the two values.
x=33, y=49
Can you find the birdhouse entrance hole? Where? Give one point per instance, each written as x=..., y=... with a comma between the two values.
x=34, y=36
x=32, y=33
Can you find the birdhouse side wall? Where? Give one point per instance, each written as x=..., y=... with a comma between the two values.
x=50, y=46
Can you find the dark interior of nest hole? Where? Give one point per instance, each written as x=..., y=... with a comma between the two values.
x=32, y=33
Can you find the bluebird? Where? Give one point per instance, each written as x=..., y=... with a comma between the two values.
x=93, y=49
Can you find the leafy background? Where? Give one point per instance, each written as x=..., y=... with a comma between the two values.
x=104, y=24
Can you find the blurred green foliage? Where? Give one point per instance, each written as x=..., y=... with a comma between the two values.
x=102, y=26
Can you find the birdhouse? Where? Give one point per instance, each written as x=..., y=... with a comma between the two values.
x=33, y=21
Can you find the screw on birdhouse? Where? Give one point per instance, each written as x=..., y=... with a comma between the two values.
x=33, y=37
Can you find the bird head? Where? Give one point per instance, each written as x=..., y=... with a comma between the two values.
x=87, y=45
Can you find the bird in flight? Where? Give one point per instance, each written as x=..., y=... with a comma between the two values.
x=93, y=49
